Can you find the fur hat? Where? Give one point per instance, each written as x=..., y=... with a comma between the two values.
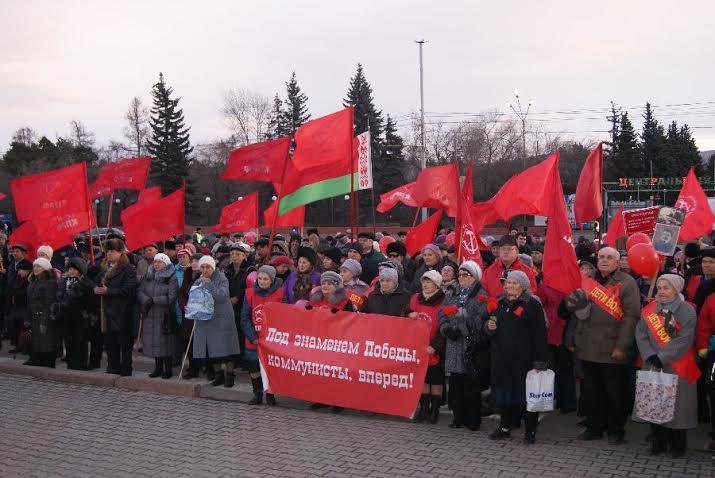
x=333, y=278
x=270, y=271
x=114, y=245
x=708, y=252
x=434, y=276
x=473, y=269
x=353, y=266
x=334, y=254
x=161, y=257
x=692, y=249
x=44, y=263
x=207, y=260
x=79, y=264
x=308, y=254
x=24, y=265
x=396, y=247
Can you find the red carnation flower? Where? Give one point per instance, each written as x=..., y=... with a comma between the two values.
x=518, y=311
x=450, y=310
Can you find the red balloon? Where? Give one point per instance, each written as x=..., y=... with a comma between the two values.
x=449, y=240
x=643, y=260
x=637, y=238
x=385, y=241
x=251, y=279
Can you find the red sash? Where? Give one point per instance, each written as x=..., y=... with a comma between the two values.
x=685, y=366
x=357, y=299
x=605, y=297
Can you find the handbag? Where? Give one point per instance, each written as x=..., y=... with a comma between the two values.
x=655, y=396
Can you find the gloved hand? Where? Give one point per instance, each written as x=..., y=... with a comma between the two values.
x=703, y=353
x=655, y=361
x=454, y=333
x=148, y=304
x=576, y=300
x=308, y=307
x=334, y=311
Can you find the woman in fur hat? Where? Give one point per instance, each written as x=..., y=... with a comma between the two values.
x=46, y=334
x=74, y=295
x=302, y=281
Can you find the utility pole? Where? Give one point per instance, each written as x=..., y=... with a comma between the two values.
x=422, y=118
x=521, y=114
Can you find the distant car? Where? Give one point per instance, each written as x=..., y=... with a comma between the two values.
x=103, y=233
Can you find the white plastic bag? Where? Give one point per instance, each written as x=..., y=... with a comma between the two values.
x=540, y=391
x=655, y=396
x=200, y=305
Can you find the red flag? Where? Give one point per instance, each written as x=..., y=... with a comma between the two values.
x=616, y=228
x=559, y=265
x=438, y=185
x=53, y=193
x=469, y=243
x=294, y=217
x=588, y=204
x=155, y=221
x=239, y=215
x=422, y=234
x=125, y=174
x=259, y=161
x=468, y=187
x=324, y=141
x=2, y=196
x=699, y=218
x=146, y=197
x=402, y=194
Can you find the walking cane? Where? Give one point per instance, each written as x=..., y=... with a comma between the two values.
x=186, y=352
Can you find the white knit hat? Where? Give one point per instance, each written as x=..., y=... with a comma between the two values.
x=161, y=257
x=44, y=263
x=434, y=276
x=45, y=250
x=473, y=269
x=208, y=260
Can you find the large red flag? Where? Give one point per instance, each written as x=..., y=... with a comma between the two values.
x=128, y=173
x=155, y=221
x=422, y=234
x=146, y=197
x=258, y=161
x=402, y=194
x=559, y=265
x=468, y=242
x=294, y=217
x=240, y=215
x=438, y=185
x=324, y=141
x=588, y=203
x=699, y=218
x=53, y=193
x=616, y=228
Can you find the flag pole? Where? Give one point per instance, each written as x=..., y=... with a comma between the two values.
x=278, y=205
x=89, y=215
x=353, y=194
x=109, y=214
x=417, y=214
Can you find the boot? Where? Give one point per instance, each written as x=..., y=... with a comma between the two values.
x=435, y=402
x=157, y=368
x=659, y=440
x=423, y=411
x=167, y=368
x=271, y=399
x=230, y=379
x=210, y=373
x=678, y=443
x=219, y=378
x=191, y=372
x=257, y=384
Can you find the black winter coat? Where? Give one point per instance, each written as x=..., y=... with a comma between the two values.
x=237, y=283
x=119, y=302
x=41, y=295
x=518, y=342
x=396, y=304
x=75, y=300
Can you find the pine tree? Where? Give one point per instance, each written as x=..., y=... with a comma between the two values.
x=169, y=144
x=689, y=153
x=276, y=124
x=295, y=107
x=392, y=160
x=625, y=162
x=652, y=147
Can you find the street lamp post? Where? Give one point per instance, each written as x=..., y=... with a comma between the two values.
x=521, y=114
x=422, y=119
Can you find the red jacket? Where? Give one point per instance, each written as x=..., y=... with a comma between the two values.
x=491, y=279
x=706, y=323
x=253, y=300
x=324, y=303
x=429, y=312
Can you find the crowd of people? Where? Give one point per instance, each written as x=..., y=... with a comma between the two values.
x=489, y=327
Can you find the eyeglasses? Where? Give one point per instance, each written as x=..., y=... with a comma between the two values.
x=393, y=255
x=464, y=274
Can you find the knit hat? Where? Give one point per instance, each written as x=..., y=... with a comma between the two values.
x=353, y=266
x=521, y=278
x=675, y=280
x=433, y=248
x=526, y=259
x=434, y=276
x=473, y=269
x=161, y=257
x=396, y=247
x=24, y=265
x=334, y=254
x=308, y=254
x=366, y=235
x=692, y=249
x=22, y=247
x=45, y=250
x=270, y=271
x=44, y=263
x=354, y=246
x=207, y=260
x=240, y=248
x=183, y=251
x=708, y=252
x=79, y=264
x=169, y=245
x=332, y=278
x=281, y=261
x=389, y=274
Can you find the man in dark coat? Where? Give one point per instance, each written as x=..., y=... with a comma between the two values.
x=370, y=257
x=397, y=252
x=390, y=298
x=237, y=272
x=118, y=292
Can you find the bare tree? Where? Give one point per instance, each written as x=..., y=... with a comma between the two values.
x=247, y=114
x=81, y=136
x=25, y=136
x=137, y=129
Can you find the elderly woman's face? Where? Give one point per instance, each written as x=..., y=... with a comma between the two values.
x=346, y=274
x=387, y=284
x=327, y=288
x=158, y=265
x=206, y=270
x=666, y=292
x=465, y=278
x=430, y=257
x=448, y=274
x=512, y=288
x=264, y=280
x=428, y=287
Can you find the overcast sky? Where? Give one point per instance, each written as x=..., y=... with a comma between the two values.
x=85, y=60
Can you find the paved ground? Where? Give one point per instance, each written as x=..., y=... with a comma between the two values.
x=58, y=429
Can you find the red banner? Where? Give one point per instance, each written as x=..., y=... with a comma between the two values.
x=128, y=173
x=640, y=220
x=360, y=361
